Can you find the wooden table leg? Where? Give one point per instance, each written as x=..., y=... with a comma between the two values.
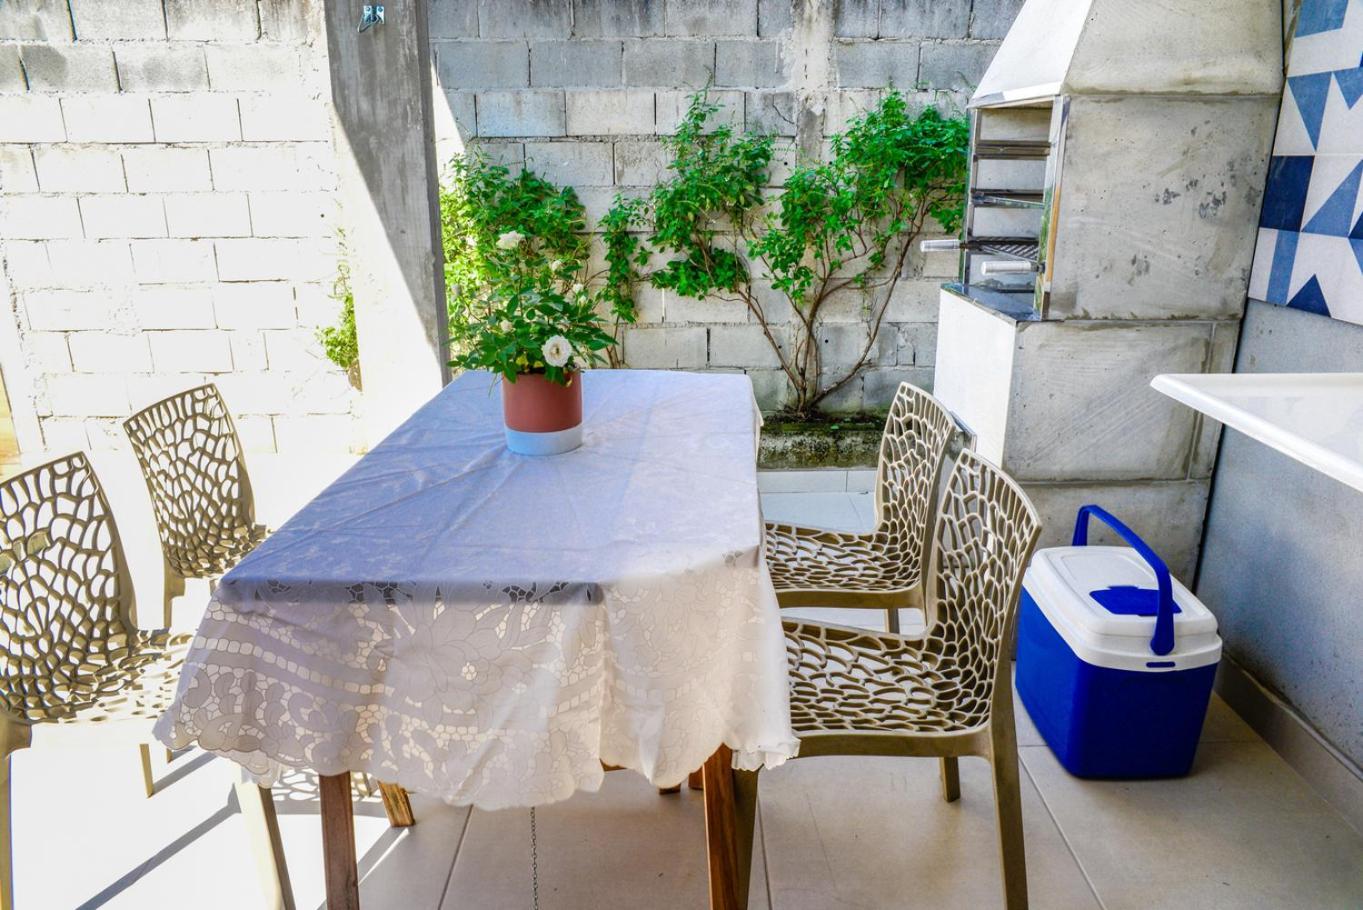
x=721, y=830
x=338, y=843
x=397, y=805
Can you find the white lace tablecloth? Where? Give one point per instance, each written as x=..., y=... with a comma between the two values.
x=489, y=627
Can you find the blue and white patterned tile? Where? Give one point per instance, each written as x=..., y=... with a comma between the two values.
x=1328, y=36
x=1332, y=195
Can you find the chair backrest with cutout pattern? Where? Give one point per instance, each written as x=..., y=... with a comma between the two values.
x=66, y=598
x=192, y=461
x=917, y=431
x=986, y=531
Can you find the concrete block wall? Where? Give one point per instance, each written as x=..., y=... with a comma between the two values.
x=580, y=90
x=167, y=216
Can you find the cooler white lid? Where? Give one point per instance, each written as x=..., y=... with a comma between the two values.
x=1067, y=576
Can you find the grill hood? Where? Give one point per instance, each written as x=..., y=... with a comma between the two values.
x=1106, y=47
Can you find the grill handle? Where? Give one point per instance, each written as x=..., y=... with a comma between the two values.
x=1007, y=267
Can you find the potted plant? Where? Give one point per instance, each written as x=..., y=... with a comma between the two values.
x=538, y=327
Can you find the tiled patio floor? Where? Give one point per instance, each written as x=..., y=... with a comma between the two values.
x=1244, y=831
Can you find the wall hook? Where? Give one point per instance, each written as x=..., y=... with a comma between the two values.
x=371, y=15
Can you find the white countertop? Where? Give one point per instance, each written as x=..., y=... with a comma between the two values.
x=1316, y=418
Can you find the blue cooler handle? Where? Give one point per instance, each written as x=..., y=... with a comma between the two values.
x=1163, y=641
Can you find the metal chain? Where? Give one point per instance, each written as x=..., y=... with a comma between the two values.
x=534, y=864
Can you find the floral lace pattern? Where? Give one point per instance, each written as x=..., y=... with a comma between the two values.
x=490, y=628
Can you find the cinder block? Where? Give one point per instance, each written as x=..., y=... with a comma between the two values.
x=17, y=173
x=207, y=215
x=27, y=265
x=770, y=113
x=521, y=114
x=669, y=62
x=161, y=68
x=89, y=263
x=107, y=118
x=774, y=17
x=275, y=118
x=469, y=65
x=588, y=64
x=951, y=65
x=742, y=346
x=880, y=384
x=694, y=18
x=295, y=350
x=284, y=214
x=706, y=311
x=173, y=261
x=88, y=394
x=30, y=119
x=771, y=388
x=39, y=218
x=672, y=107
x=993, y=18
x=916, y=342
x=212, y=20
x=617, y=18
x=255, y=259
x=63, y=433
x=610, y=113
x=190, y=352
x=924, y=18
x=69, y=68
x=48, y=351
x=315, y=303
x=66, y=310
x=665, y=348
x=170, y=307
x=102, y=20
x=856, y=18
x=524, y=18
x=914, y=300
x=847, y=398
x=841, y=345
x=253, y=67
x=106, y=352
x=198, y=117
x=254, y=305
x=334, y=432
x=641, y=163
x=78, y=169
x=150, y=170
x=273, y=167
x=574, y=164
x=11, y=73
x=293, y=21
x=248, y=353
x=123, y=215
x=456, y=123
x=877, y=64
x=749, y=64
x=453, y=19
x=36, y=20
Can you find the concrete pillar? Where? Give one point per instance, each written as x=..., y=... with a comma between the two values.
x=381, y=89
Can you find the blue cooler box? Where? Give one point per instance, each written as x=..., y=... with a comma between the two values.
x=1115, y=659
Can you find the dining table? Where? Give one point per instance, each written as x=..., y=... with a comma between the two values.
x=497, y=630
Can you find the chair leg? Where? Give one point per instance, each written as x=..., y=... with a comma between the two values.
x=892, y=621
x=1008, y=800
x=397, y=805
x=174, y=587
x=6, y=857
x=696, y=780
x=262, y=825
x=148, y=778
x=951, y=778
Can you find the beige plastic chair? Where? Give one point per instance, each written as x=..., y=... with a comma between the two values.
x=943, y=694
x=75, y=671
x=192, y=462
x=883, y=568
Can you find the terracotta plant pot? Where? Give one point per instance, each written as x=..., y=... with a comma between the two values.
x=542, y=417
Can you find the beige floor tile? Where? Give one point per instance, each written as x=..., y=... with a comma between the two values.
x=625, y=847
x=409, y=868
x=875, y=833
x=1242, y=831
x=821, y=510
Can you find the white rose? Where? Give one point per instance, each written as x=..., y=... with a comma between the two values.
x=510, y=240
x=556, y=265
x=506, y=326
x=576, y=290
x=557, y=351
